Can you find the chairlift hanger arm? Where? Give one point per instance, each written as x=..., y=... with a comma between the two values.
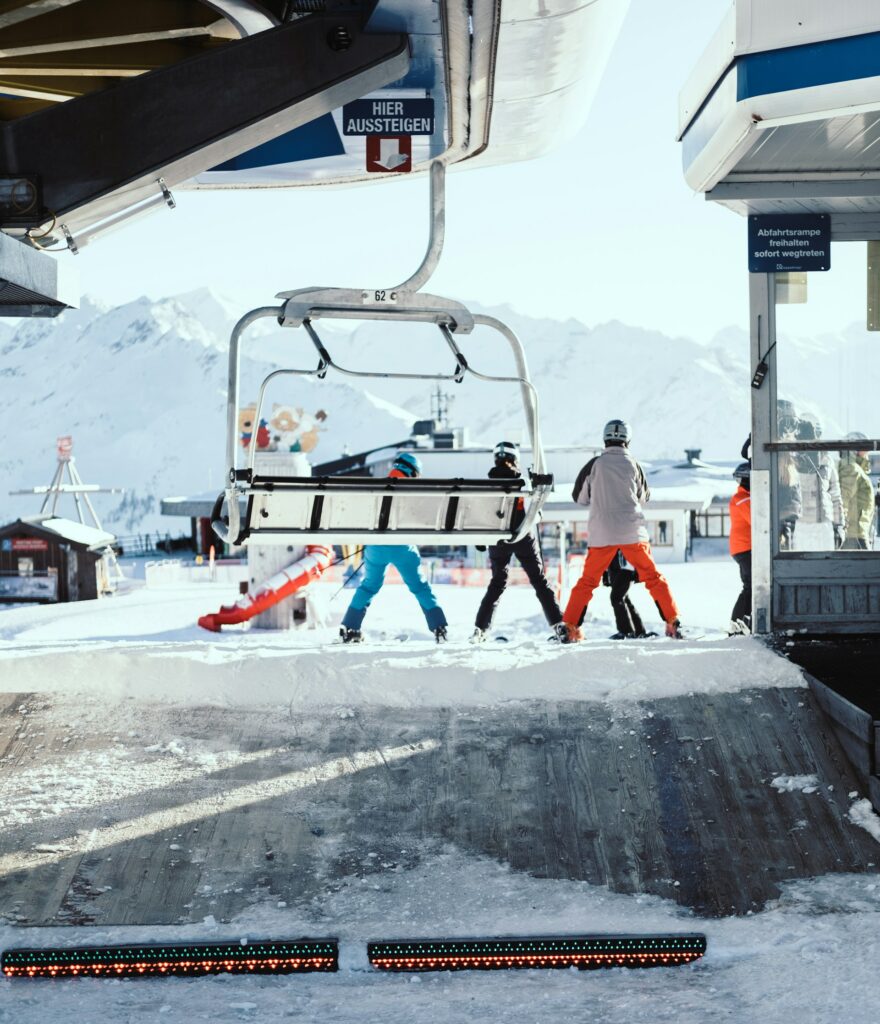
x=328, y=362
x=363, y=304
x=283, y=509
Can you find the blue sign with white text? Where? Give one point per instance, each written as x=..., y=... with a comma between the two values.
x=789, y=242
x=389, y=117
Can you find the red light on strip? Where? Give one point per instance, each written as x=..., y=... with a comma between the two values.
x=582, y=952
x=169, y=959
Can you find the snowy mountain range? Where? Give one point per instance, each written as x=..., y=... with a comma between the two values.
x=141, y=387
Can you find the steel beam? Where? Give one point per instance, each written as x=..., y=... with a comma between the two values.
x=102, y=153
x=14, y=11
x=33, y=283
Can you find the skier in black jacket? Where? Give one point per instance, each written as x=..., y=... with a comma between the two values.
x=526, y=550
x=620, y=577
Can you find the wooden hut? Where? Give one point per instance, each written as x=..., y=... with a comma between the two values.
x=49, y=559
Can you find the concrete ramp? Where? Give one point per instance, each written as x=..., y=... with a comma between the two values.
x=708, y=800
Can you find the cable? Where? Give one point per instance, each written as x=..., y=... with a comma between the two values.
x=34, y=239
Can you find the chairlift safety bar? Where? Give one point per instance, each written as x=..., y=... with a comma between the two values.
x=460, y=511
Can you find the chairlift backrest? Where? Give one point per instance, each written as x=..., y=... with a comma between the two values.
x=279, y=509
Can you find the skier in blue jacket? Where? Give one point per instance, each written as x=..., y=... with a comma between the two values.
x=408, y=562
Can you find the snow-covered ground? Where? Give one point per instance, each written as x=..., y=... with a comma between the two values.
x=811, y=956
x=145, y=645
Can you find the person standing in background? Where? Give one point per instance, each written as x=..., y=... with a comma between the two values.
x=858, y=495
x=741, y=549
x=789, y=490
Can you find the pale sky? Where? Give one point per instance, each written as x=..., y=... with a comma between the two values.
x=603, y=228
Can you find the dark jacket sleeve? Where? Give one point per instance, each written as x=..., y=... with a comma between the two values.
x=582, y=477
x=644, y=490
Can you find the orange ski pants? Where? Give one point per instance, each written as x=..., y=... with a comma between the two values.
x=598, y=559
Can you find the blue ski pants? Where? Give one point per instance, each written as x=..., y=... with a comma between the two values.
x=408, y=562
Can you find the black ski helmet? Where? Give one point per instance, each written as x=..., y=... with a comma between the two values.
x=506, y=451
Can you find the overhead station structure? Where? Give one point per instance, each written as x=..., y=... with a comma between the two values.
x=780, y=122
x=106, y=107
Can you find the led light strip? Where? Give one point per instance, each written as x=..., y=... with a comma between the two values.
x=283, y=957
x=583, y=952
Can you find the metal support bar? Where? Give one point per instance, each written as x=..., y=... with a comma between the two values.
x=361, y=304
x=103, y=152
x=437, y=232
x=234, y=526
x=762, y=317
x=862, y=445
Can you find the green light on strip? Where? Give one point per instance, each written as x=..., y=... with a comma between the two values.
x=546, y=952
x=274, y=957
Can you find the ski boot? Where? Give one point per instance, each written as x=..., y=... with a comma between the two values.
x=478, y=636
x=566, y=634
x=351, y=636
x=673, y=630
x=440, y=635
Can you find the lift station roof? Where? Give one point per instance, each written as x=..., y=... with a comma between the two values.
x=782, y=114
x=105, y=106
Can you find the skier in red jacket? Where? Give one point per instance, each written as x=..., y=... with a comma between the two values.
x=741, y=549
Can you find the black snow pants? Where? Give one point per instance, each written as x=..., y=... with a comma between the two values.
x=626, y=618
x=528, y=556
x=742, y=610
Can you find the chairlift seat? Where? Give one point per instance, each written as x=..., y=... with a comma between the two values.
x=346, y=509
x=349, y=509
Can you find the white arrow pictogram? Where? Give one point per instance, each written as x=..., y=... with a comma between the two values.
x=390, y=156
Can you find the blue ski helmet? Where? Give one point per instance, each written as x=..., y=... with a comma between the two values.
x=743, y=471
x=408, y=463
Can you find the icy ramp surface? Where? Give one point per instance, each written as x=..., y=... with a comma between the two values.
x=132, y=814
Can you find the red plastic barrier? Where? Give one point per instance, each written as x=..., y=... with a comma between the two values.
x=297, y=575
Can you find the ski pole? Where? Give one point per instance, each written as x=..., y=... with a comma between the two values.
x=343, y=559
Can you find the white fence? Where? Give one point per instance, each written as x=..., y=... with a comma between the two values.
x=173, y=571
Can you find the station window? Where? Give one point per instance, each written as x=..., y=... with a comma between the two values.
x=828, y=366
x=661, y=532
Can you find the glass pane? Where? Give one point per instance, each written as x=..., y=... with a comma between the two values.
x=828, y=372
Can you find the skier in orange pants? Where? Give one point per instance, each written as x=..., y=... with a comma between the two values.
x=613, y=486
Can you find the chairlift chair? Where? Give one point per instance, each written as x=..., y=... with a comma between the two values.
x=273, y=509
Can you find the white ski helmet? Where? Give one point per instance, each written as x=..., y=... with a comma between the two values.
x=617, y=430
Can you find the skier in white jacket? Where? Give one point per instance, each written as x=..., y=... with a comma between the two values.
x=614, y=488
